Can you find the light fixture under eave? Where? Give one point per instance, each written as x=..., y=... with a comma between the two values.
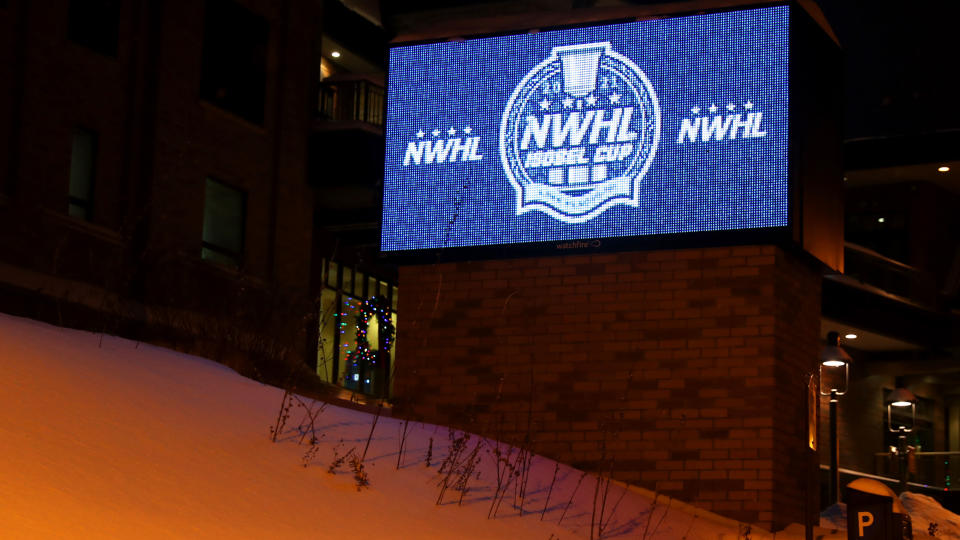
x=901, y=397
x=335, y=54
x=850, y=336
x=943, y=169
x=832, y=355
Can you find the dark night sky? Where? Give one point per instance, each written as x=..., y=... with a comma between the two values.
x=901, y=65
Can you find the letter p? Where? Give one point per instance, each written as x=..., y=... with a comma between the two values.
x=864, y=519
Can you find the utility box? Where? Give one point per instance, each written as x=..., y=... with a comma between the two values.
x=874, y=512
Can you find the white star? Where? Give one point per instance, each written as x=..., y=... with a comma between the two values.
x=695, y=110
x=591, y=100
x=545, y=104
x=568, y=102
x=420, y=134
x=731, y=107
x=748, y=105
x=614, y=98
x=451, y=131
x=713, y=108
x=468, y=130
x=435, y=133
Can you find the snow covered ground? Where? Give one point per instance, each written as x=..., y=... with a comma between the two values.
x=102, y=437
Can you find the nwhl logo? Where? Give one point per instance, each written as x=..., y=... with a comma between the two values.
x=579, y=132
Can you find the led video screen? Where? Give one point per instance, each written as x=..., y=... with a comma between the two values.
x=668, y=126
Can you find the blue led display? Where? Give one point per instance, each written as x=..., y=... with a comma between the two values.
x=656, y=127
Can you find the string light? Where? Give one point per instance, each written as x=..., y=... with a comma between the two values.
x=361, y=353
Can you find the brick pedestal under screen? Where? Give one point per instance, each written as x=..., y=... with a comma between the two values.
x=689, y=366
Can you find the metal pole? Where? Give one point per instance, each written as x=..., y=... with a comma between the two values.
x=834, y=487
x=808, y=504
x=902, y=459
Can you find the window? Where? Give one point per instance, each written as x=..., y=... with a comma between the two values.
x=340, y=306
x=359, y=282
x=83, y=159
x=347, y=283
x=234, y=62
x=224, y=212
x=94, y=24
x=332, y=272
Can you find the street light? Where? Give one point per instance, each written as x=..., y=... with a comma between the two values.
x=902, y=398
x=833, y=357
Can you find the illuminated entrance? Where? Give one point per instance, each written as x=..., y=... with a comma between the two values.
x=357, y=323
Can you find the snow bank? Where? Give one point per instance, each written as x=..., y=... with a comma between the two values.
x=925, y=510
x=102, y=437
x=834, y=517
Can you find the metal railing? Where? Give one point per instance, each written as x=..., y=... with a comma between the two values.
x=889, y=275
x=355, y=100
x=934, y=470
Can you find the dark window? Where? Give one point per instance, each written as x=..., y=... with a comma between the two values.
x=234, y=64
x=95, y=24
x=83, y=168
x=224, y=212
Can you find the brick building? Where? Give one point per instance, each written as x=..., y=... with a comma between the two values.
x=207, y=175
x=154, y=160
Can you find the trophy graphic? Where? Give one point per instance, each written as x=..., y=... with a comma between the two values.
x=580, y=64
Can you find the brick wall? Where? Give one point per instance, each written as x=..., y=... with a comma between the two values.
x=157, y=144
x=688, y=369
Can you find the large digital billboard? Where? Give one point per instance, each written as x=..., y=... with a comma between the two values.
x=668, y=126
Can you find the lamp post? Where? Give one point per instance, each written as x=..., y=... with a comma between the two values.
x=834, y=358
x=902, y=398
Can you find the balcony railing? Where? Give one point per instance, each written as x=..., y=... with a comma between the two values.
x=357, y=100
x=889, y=275
x=936, y=470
